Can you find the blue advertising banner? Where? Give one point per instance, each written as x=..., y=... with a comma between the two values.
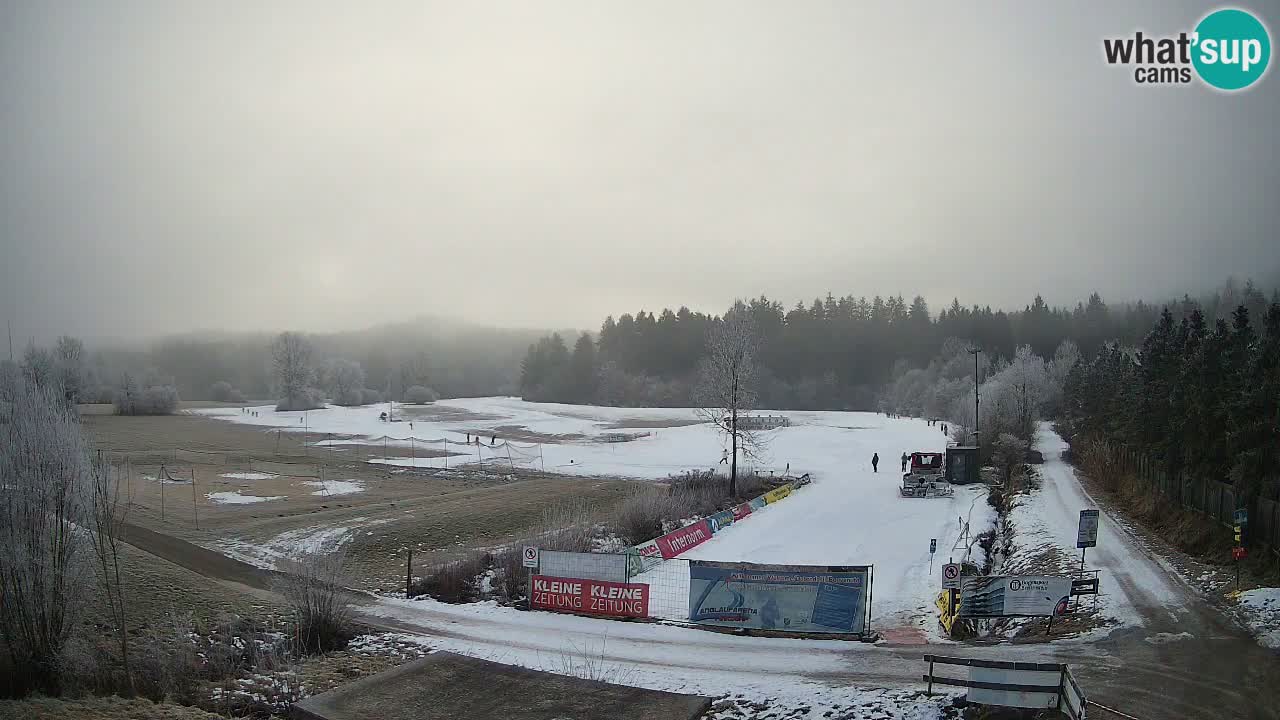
x=720, y=520
x=787, y=598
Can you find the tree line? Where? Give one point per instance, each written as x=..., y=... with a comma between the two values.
x=833, y=353
x=1198, y=395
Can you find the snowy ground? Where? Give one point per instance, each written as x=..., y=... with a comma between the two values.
x=849, y=515
x=234, y=497
x=1262, y=612
x=1131, y=582
x=759, y=675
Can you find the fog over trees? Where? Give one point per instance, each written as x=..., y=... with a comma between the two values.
x=848, y=353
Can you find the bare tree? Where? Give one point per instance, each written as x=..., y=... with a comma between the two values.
x=291, y=354
x=45, y=553
x=726, y=389
x=108, y=517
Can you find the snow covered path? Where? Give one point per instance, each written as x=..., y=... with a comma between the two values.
x=1137, y=585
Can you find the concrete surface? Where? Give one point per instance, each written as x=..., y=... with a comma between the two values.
x=445, y=685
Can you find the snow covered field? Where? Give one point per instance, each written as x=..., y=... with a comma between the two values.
x=849, y=515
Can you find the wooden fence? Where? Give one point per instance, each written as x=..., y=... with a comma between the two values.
x=1212, y=498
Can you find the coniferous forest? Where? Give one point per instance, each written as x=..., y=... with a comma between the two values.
x=840, y=353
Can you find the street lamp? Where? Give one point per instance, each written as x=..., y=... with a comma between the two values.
x=974, y=351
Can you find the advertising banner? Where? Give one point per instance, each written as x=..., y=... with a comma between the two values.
x=684, y=539
x=777, y=494
x=741, y=511
x=720, y=520
x=583, y=566
x=1014, y=596
x=643, y=557
x=590, y=597
x=791, y=598
x=757, y=503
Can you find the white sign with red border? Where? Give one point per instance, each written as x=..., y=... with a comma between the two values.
x=530, y=556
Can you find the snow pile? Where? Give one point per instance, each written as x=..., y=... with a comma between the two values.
x=291, y=544
x=1261, y=609
x=233, y=497
x=335, y=487
x=248, y=476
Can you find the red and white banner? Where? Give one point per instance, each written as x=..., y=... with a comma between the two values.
x=590, y=597
x=741, y=511
x=684, y=539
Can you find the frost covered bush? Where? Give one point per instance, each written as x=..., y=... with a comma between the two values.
x=369, y=396
x=223, y=391
x=420, y=395
x=45, y=561
x=306, y=399
x=152, y=398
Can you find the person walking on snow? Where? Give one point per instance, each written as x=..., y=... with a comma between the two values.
x=875, y=462
x=905, y=457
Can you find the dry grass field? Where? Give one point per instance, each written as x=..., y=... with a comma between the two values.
x=440, y=514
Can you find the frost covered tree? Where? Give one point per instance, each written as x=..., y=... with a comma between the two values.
x=726, y=389
x=224, y=391
x=155, y=395
x=345, y=381
x=38, y=366
x=291, y=355
x=45, y=552
x=69, y=366
x=420, y=395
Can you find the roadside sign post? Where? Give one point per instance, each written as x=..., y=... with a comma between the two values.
x=529, y=558
x=951, y=576
x=1087, y=534
x=1238, y=552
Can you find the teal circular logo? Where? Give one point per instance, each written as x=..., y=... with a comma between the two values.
x=1232, y=49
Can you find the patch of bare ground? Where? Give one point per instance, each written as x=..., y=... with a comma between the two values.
x=98, y=708
x=652, y=423
x=520, y=433
x=437, y=411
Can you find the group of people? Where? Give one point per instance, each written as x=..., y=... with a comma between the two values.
x=939, y=422
x=247, y=411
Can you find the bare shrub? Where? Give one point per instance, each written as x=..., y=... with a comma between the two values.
x=453, y=582
x=420, y=395
x=313, y=586
x=641, y=516
x=569, y=526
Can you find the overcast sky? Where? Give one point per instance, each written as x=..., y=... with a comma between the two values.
x=168, y=166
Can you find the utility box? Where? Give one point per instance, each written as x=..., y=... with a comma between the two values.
x=962, y=465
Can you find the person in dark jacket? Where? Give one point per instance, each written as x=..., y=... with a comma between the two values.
x=905, y=458
x=875, y=462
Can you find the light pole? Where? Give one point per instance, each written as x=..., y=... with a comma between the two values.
x=974, y=351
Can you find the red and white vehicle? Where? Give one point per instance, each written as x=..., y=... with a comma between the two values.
x=926, y=476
